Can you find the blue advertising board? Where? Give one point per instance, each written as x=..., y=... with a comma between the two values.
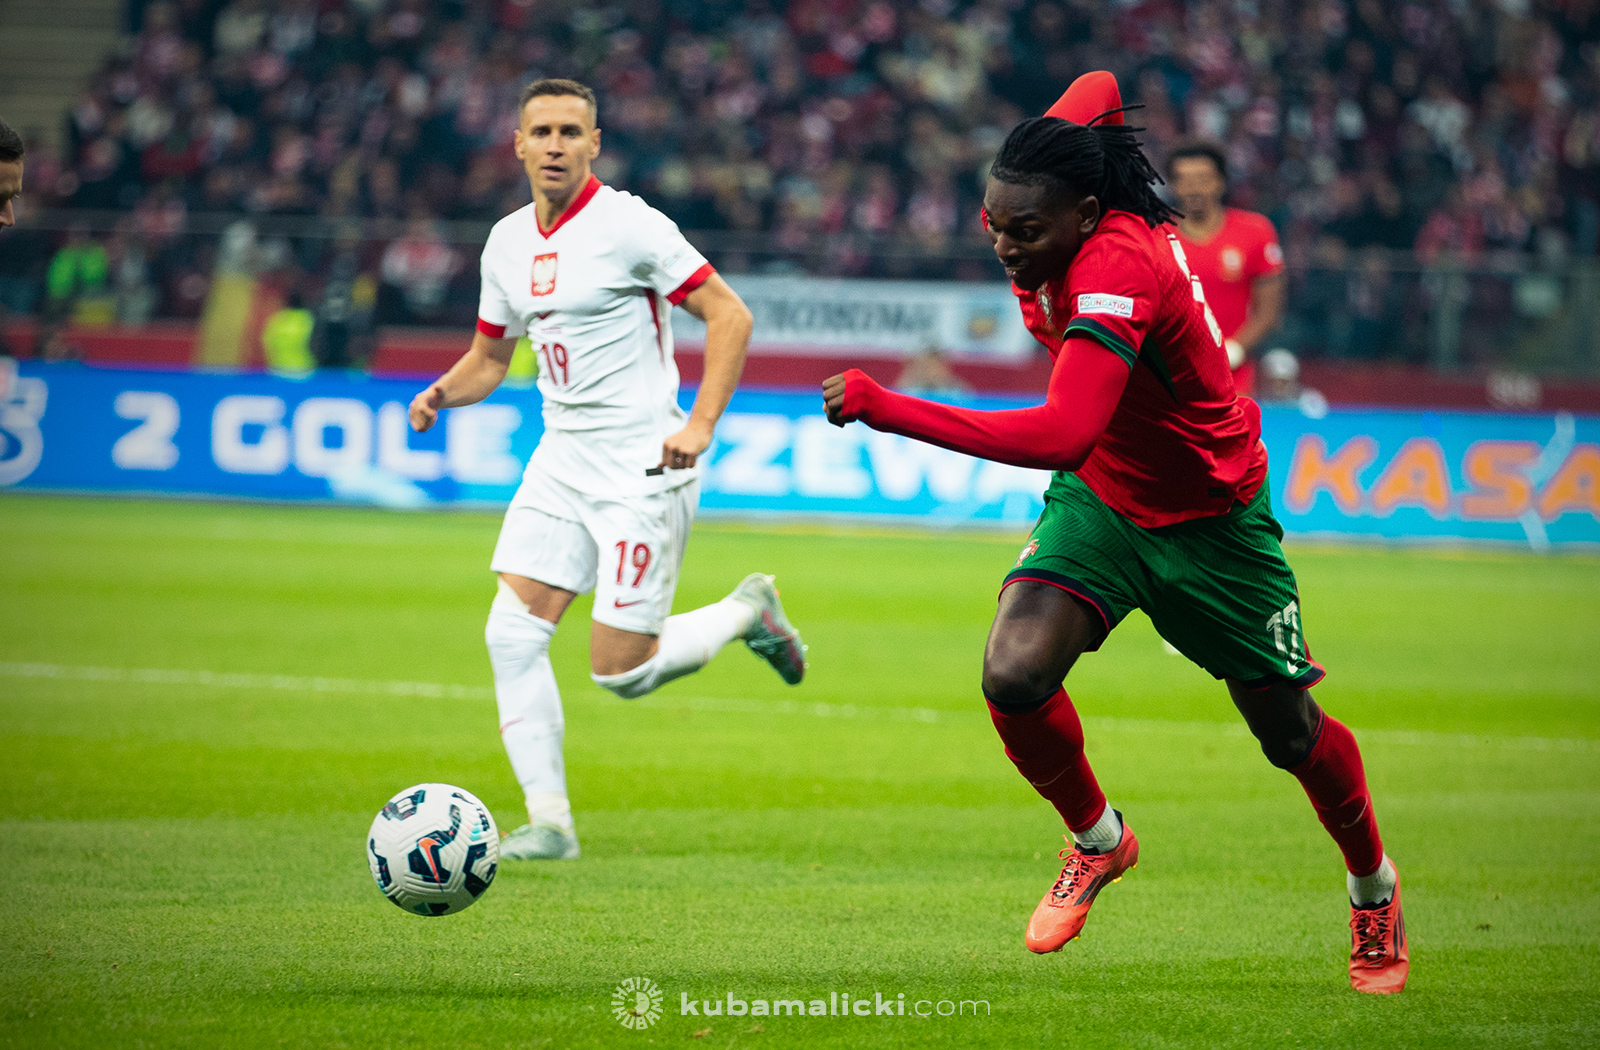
x=1381, y=474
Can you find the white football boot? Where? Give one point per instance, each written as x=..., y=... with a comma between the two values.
x=772, y=637
x=541, y=841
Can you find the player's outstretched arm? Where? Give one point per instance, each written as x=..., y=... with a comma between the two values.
x=728, y=325
x=1085, y=385
x=469, y=380
x=1268, y=295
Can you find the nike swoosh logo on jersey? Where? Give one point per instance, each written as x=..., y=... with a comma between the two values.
x=624, y=605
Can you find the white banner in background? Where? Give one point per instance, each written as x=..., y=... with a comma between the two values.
x=876, y=318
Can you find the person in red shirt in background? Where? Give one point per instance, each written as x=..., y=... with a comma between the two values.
x=1234, y=252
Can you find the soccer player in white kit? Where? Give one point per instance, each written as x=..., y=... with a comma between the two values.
x=591, y=274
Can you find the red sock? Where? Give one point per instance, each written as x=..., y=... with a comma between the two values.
x=1046, y=745
x=1337, y=786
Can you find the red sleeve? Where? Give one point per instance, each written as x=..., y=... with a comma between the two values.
x=1085, y=386
x=1266, y=255
x=493, y=331
x=695, y=280
x=1111, y=294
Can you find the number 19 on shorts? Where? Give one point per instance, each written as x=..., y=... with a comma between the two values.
x=636, y=563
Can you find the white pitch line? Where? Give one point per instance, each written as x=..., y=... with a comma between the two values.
x=372, y=687
x=242, y=680
x=724, y=705
x=816, y=709
x=1395, y=737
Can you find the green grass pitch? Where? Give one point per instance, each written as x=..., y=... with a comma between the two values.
x=184, y=856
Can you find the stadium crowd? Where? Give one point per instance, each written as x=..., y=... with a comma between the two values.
x=837, y=127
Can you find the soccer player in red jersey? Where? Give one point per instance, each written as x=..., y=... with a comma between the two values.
x=1159, y=501
x=1234, y=253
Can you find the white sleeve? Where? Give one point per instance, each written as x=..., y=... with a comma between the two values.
x=663, y=259
x=495, y=316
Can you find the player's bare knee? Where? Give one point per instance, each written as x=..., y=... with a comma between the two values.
x=622, y=662
x=1283, y=718
x=629, y=684
x=522, y=594
x=1285, y=752
x=1013, y=681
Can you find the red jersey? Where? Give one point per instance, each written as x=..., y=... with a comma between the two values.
x=1180, y=444
x=1244, y=248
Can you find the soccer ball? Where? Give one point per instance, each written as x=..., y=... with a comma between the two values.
x=433, y=849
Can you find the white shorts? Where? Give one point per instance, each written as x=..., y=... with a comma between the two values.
x=626, y=549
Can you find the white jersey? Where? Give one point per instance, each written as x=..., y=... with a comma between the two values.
x=593, y=294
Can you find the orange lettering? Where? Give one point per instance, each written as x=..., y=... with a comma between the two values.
x=1576, y=486
x=1416, y=477
x=1312, y=471
x=1500, y=488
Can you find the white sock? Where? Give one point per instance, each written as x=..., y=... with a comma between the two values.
x=688, y=642
x=1372, y=889
x=545, y=807
x=531, y=722
x=1105, y=834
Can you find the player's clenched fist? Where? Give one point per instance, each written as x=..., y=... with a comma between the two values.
x=681, y=450
x=425, y=408
x=845, y=396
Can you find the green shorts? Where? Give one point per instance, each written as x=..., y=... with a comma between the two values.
x=1219, y=589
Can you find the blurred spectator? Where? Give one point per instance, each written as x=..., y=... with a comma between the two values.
x=1375, y=215
x=1280, y=376
x=419, y=267
x=849, y=138
x=1456, y=227
x=928, y=373
x=523, y=370
x=286, y=338
x=1375, y=308
x=343, y=335
x=77, y=277
x=291, y=105
x=1280, y=384
x=1322, y=299
x=135, y=293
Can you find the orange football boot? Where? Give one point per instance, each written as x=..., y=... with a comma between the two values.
x=1060, y=916
x=1380, y=960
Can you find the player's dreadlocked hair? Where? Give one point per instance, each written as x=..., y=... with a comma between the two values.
x=1103, y=160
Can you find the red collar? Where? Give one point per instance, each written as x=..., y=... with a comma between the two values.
x=590, y=188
